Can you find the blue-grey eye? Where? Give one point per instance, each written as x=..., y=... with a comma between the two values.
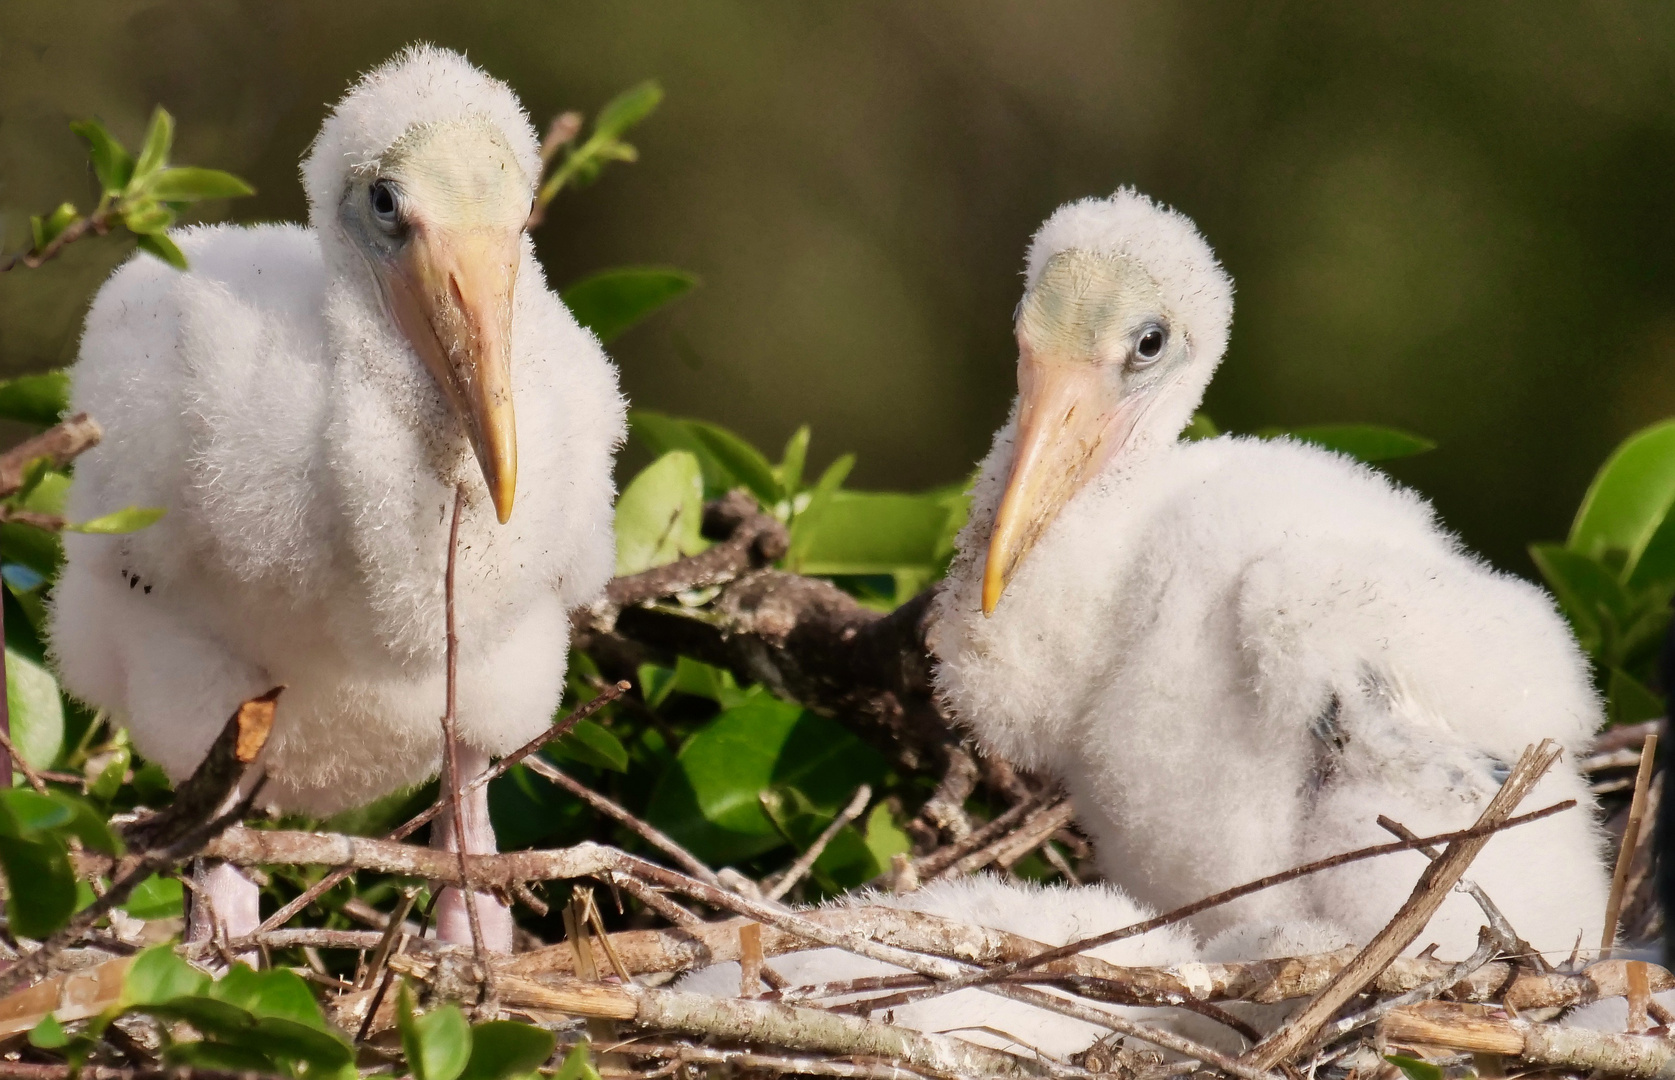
x=1150, y=345
x=385, y=205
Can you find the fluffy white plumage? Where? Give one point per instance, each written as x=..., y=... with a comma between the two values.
x=307, y=461
x=1050, y=915
x=1237, y=653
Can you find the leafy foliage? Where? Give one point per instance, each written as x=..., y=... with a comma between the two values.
x=1614, y=576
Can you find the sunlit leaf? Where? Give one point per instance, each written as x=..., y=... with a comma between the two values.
x=1366, y=442
x=128, y=520
x=611, y=301
x=159, y=136
x=743, y=461
x=147, y=217
x=577, y=1064
x=37, y=710
x=660, y=514
x=156, y=898
x=48, y=1034
x=112, y=163
x=504, y=1050
x=35, y=399
x=161, y=246
x=190, y=184
x=158, y=974
x=628, y=108
x=1413, y=1068
x=864, y=532
x=1629, y=498
x=791, y=463
x=437, y=1044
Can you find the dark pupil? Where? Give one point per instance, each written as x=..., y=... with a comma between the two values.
x=382, y=201
x=1151, y=344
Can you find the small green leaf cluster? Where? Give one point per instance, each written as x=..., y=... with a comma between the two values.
x=580, y=165
x=442, y=1045
x=1614, y=575
x=142, y=193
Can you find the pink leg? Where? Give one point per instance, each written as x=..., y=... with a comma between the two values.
x=453, y=920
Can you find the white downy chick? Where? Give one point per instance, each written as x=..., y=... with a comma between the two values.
x=1238, y=653
x=303, y=402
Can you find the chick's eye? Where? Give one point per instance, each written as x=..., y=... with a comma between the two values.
x=1150, y=345
x=384, y=202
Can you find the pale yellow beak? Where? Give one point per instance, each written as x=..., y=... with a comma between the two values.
x=1070, y=423
x=450, y=291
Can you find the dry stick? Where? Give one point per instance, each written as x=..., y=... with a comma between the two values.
x=1409, y=920
x=1631, y=841
x=656, y=901
x=450, y=742
x=1227, y=896
x=1489, y=942
x=777, y=1064
x=1573, y=1049
x=805, y=862
x=1491, y=911
x=499, y=769
x=1014, y=845
x=656, y=837
x=936, y=861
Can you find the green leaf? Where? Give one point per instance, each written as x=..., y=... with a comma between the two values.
x=45, y=230
x=790, y=471
x=156, y=898
x=1656, y=565
x=159, y=136
x=128, y=520
x=611, y=301
x=746, y=463
x=25, y=812
x=591, y=744
x=1629, y=498
x=1587, y=591
x=504, y=1049
x=884, y=837
x=112, y=163
x=437, y=1044
x=1629, y=701
x=48, y=1034
x=1367, y=442
x=41, y=885
x=220, y=1057
x=856, y=532
x=1200, y=427
x=87, y=824
x=159, y=975
x=36, y=708
x=147, y=217
x=161, y=246
x=1413, y=1068
x=189, y=184
x=660, y=513
x=577, y=1065
x=35, y=399
x=708, y=798
x=628, y=108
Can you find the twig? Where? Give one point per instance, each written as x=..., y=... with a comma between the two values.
x=413, y=824
x=933, y=863
x=657, y=902
x=396, y=927
x=1473, y=1028
x=97, y=223
x=61, y=444
x=1008, y=849
x=1631, y=843
x=216, y=778
x=805, y=862
x=1409, y=920
x=777, y=1064
x=452, y=783
x=945, y=809
x=654, y=836
x=11, y=758
x=1489, y=942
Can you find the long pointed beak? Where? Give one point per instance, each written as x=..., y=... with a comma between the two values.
x=451, y=293
x=1070, y=423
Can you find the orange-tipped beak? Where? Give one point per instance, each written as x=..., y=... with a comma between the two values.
x=450, y=291
x=1070, y=422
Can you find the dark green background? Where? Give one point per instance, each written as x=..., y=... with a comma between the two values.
x=1450, y=217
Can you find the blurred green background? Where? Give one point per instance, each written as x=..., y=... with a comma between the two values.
x=1454, y=218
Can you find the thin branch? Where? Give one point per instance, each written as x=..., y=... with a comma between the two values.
x=1030, y=834
x=1489, y=942
x=778, y=1064
x=1474, y=1029
x=61, y=444
x=450, y=741
x=654, y=836
x=805, y=862
x=97, y=223
x=12, y=758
